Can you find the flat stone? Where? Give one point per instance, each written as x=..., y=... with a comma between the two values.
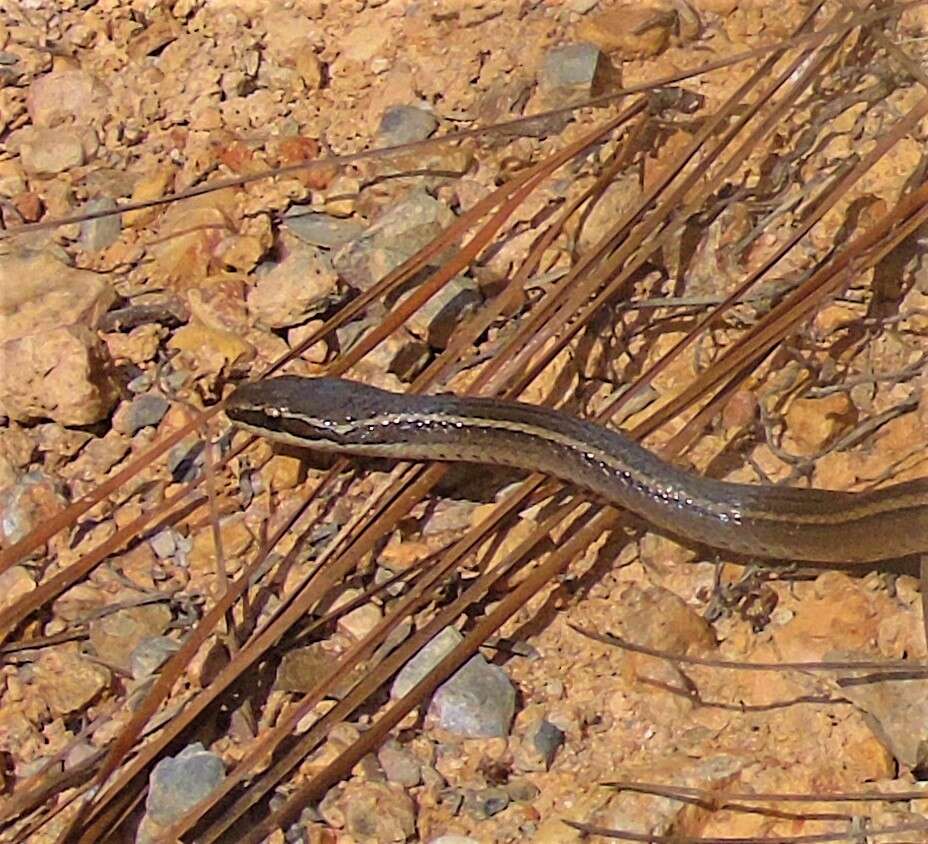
x=581, y=7
x=405, y=124
x=12, y=178
x=814, y=424
x=398, y=233
x=236, y=537
x=58, y=375
x=302, y=668
x=423, y=662
x=79, y=753
x=210, y=349
x=631, y=31
x=115, y=636
x=98, y=456
x=360, y=621
x=485, y=802
x=400, y=353
x=49, y=294
x=142, y=412
x=100, y=232
x=320, y=230
x=522, y=791
x=436, y=320
x=183, y=460
x=152, y=185
x=547, y=740
x=164, y=544
x=288, y=292
x=400, y=766
x=179, y=782
x=50, y=151
x=898, y=714
x=150, y=654
x=362, y=43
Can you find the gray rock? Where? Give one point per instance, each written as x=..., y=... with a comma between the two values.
x=179, y=782
x=435, y=321
x=141, y=383
x=547, y=740
x=431, y=778
x=897, y=713
x=101, y=232
x=184, y=459
x=522, y=791
x=485, y=803
x=175, y=380
x=477, y=702
x=424, y=661
x=26, y=504
x=400, y=766
x=398, y=233
x=164, y=544
x=400, y=353
x=150, y=654
x=292, y=290
x=452, y=838
x=573, y=73
x=404, y=124
x=142, y=412
x=451, y=800
x=320, y=229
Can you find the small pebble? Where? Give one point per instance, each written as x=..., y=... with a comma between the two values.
x=573, y=73
x=141, y=383
x=547, y=740
x=163, y=544
x=485, y=803
x=522, y=791
x=141, y=412
x=183, y=459
x=404, y=124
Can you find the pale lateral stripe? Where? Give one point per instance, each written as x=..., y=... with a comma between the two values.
x=630, y=476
